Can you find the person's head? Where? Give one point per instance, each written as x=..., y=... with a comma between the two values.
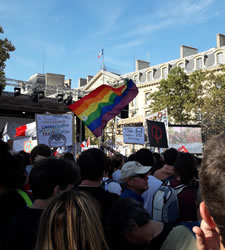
x=170, y=156
x=49, y=176
x=212, y=184
x=131, y=157
x=24, y=156
x=129, y=221
x=92, y=163
x=12, y=173
x=145, y=157
x=185, y=167
x=135, y=176
x=68, y=156
x=117, y=161
x=159, y=162
x=71, y=222
x=40, y=150
x=56, y=140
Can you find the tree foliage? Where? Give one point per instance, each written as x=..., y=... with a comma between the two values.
x=172, y=93
x=213, y=108
x=198, y=98
x=5, y=48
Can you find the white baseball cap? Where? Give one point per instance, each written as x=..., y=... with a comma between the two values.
x=132, y=168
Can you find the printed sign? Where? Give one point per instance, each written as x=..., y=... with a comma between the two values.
x=55, y=130
x=133, y=135
x=160, y=116
x=27, y=146
x=157, y=134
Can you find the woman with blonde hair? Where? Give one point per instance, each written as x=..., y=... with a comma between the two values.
x=71, y=222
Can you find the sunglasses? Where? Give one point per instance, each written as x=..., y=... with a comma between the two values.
x=140, y=175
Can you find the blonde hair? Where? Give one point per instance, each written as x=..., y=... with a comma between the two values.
x=71, y=222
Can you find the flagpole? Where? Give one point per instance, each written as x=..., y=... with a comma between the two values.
x=102, y=140
x=103, y=59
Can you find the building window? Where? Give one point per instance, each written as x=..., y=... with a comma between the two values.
x=150, y=75
x=219, y=58
x=164, y=72
x=181, y=65
x=133, y=113
x=199, y=63
x=147, y=98
x=136, y=78
x=133, y=103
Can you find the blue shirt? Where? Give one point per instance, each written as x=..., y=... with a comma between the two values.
x=128, y=193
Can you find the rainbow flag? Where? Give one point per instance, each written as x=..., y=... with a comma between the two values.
x=103, y=104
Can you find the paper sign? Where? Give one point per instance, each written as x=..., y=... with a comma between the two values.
x=55, y=130
x=133, y=135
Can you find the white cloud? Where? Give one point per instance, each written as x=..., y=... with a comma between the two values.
x=173, y=13
x=149, y=28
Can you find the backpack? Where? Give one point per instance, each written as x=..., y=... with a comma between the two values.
x=105, y=184
x=165, y=205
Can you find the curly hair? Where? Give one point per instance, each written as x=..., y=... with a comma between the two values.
x=212, y=181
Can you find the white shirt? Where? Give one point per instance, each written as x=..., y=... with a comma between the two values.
x=112, y=187
x=153, y=184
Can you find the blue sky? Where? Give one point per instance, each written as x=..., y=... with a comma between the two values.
x=68, y=35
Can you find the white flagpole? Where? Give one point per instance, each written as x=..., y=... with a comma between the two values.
x=103, y=67
x=5, y=136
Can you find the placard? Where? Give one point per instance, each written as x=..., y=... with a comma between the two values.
x=157, y=134
x=55, y=130
x=133, y=135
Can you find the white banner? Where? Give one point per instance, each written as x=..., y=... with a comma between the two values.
x=161, y=116
x=19, y=145
x=133, y=135
x=55, y=130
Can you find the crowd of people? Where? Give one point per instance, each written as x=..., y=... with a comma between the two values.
x=97, y=201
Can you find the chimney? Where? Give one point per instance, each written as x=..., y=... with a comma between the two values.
x=89, y=78
x=67, y=83
x=220, y=40
x=142, y=65
x=187, y=51
x=82, y=82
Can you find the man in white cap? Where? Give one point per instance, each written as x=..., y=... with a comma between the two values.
x=134, y=177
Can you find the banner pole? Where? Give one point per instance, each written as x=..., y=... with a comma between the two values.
x=102, y=141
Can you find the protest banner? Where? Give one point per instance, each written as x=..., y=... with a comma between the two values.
x=18, y=145
x=29, y=145
x=161, y=116
x=157, y=134
x=55, y=130
x=133, y=135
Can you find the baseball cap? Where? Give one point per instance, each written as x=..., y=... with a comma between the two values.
x=131, y=168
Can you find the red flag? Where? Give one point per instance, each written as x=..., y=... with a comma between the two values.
x=182, y=149
x=27, y=130
x=88, y=141
x=83, y=144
